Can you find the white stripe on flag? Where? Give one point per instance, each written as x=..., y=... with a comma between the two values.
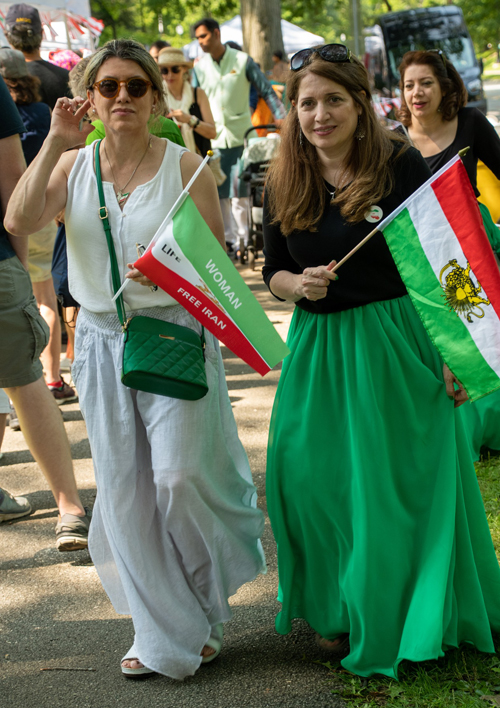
x=440, y=245
x=416, y=195
x=167, y=251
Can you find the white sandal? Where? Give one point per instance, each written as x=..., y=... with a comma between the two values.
x=214, y=642
x=134, y=673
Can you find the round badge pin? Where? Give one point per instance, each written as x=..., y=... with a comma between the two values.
x=374, y=215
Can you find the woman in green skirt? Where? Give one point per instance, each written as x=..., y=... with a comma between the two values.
x=383, y=543
x=434, y=113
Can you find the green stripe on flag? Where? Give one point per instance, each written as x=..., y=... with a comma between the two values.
x=209, y=260
x=450, y=336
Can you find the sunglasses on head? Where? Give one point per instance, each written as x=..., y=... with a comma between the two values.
x=335, y=53
x=167, y=69
x=441, y=54
x=110, y=88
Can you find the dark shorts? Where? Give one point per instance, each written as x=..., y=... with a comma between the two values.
x=24, y=334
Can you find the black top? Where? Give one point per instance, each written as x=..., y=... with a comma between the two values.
x=473, y=130
x=203, y=144
x=370, y=275
x=36, y=118
x=54, y=80
x=10, y=124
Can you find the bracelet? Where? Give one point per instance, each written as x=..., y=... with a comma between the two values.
x=194, y=122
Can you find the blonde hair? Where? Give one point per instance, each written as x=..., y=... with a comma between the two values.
x=296, y=190
x=133, y=51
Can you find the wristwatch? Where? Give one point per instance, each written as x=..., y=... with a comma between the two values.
x=194, y=122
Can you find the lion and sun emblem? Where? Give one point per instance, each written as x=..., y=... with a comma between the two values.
x=461, y=293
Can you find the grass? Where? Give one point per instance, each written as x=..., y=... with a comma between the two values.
x=463, y=678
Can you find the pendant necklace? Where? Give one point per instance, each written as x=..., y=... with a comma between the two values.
x=121, y=196
x=332, y=194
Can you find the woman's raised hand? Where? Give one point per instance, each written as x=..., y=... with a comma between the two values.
x=67, y=122
x=314, y=282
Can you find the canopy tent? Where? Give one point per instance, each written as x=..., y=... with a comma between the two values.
x=66, y=24
x=294, y=37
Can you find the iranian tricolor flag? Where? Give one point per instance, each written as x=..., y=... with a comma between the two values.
x=443, y=255
x=186, y=261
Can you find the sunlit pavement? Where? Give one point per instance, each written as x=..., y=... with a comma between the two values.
x=61, y=642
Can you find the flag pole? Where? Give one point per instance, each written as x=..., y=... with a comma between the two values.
x=356, y=248
x=177, y=204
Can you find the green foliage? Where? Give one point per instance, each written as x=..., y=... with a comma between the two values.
x=139, y=19
x=328, y=18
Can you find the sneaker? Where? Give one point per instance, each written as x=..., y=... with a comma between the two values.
x=12, y=507
x=72, y=532
x=13, y=419
x=62, y=393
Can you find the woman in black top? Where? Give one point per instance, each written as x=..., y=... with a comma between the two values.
x=383, y=543
x=433, y=98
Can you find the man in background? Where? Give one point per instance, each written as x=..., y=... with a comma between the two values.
x=226, y=75
x=23, y=30
x=156, y=48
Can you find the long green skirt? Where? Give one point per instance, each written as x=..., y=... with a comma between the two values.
x=482, y=418
x=371, y=490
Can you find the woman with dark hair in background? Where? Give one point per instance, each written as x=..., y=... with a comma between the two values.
x=433, y=111
x=383, y=543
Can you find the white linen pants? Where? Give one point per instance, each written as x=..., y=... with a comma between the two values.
x=235, y=217
x=175, y=528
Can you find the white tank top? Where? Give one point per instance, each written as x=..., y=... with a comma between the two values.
x=89, y=267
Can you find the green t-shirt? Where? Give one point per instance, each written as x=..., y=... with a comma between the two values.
x=160, y=126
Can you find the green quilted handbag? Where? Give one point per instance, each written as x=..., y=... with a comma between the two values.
x=158, y=357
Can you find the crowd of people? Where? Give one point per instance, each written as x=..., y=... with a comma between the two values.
x=383, y=542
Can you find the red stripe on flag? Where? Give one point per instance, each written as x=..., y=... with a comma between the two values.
x=459, y=204
x=203, y=309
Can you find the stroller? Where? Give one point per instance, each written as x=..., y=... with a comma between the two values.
x=257, y=153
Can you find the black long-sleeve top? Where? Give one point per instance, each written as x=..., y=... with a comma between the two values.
x=370, y=275
x=475, y=131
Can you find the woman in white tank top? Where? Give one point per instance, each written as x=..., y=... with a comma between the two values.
x=175, y=529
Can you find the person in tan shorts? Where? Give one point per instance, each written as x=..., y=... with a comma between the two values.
x=41, y=247
x=25, y=91
x=24, y=335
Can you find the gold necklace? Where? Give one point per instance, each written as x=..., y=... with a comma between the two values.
x=120, y=195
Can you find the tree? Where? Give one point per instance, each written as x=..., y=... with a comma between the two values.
x=261, y=24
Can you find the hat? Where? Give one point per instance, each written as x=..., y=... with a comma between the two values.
x=170, y=56
x=12, y=64
x=23, y=16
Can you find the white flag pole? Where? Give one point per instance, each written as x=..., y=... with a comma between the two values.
x=178, y=203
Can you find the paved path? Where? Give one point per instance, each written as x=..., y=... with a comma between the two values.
x=54, y=613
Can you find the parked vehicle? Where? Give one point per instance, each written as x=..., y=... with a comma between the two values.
x=440, y=27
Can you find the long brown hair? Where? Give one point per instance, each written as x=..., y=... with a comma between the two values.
x=450, y=82
x=296, y=190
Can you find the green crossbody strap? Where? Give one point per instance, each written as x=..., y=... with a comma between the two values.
x=115, y=273
x=103, y=215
